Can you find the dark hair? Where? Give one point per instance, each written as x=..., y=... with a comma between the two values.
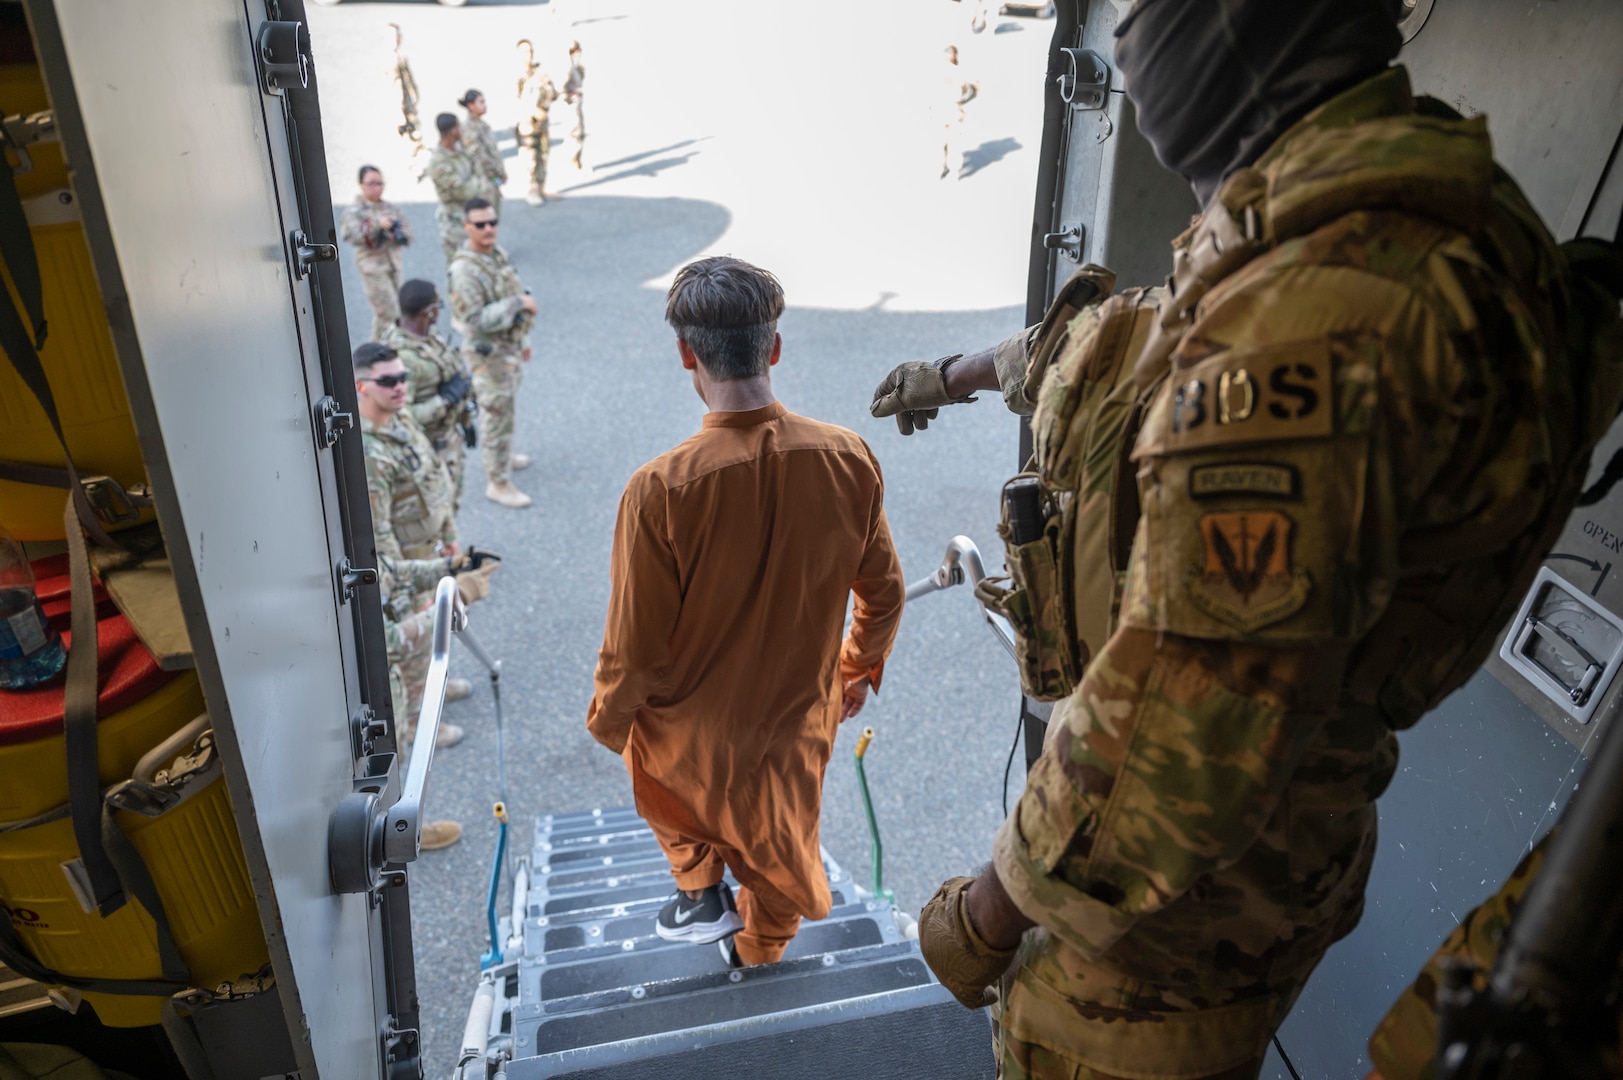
x=727, y=311
x=524, y=41
x=417, y=295
x=371, y=353
x=360, y=177
x=475, y=203
x=467, y=99
x=446, y=121
x=574, y=46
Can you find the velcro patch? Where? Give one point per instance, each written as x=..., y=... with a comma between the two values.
x=1242, y=396
x=1272, y=481
x=1246, y=578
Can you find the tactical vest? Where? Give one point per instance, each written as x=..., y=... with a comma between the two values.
x=1101, y=361
x=416, y=526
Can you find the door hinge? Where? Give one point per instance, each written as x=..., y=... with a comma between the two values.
x=306, y=254
x=1068, y=242
x=284, y=56
x=331, y=422
x=353, y=577
x=1086, y=80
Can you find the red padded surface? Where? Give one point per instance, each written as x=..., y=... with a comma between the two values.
x=125, y=671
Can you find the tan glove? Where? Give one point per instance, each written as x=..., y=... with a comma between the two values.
x=474, y=585
x=914, y=392
x=964, y=963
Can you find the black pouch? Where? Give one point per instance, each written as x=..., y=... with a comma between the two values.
x=1032, y=596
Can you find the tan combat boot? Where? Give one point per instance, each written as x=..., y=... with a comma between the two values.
x=534, y=196
x=457, y=689
x=440, y=834
x=503, y=491
x=448, y=736
x=520, y=461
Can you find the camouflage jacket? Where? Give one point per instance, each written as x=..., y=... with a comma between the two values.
x=410, y=493
x=535, y=97
x=1354, y=434
x=487, y=302
x=575, y=83
x=479, y=143
x=430, y=362
x=360, y=226
x=457, y=178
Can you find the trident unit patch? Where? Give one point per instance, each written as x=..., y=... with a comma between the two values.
x=1246, y=579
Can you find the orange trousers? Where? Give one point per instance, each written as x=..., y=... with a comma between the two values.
x=770, y=920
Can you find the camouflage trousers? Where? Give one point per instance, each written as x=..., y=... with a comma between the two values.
x=535, y=147
x=405, y=720
x=577, y=134
x=453, y=455
x=411, y=131
x=380, y=280
x=412, y=664
x=449, y=219
x=496, y=380
x=1042, y=1033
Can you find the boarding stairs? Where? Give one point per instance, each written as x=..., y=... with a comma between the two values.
x=586, y=989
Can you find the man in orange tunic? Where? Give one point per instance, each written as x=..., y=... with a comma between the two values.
x=723, y=678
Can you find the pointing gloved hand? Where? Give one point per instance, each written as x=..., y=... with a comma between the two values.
x=454, y=389
x=914, y=392
x=963, y=962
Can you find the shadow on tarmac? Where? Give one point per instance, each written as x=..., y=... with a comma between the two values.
x=987, y=154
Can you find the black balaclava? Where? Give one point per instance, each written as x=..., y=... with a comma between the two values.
x=1215, y=82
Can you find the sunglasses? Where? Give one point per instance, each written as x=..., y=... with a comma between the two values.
x=491, y=224
x=388, y=381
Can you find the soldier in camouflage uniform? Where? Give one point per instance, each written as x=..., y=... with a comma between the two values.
x=575, y=94
x=441, y=395
x=457, y=178
x=535, y=97
x=406, y=86
x=493, y=311
x=479, y=142
x=412, y=522
x=380, y=233
x=1290, y=499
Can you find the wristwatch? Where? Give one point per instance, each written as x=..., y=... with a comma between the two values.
x=942, y=365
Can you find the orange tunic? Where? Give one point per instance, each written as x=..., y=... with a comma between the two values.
x=722, y=663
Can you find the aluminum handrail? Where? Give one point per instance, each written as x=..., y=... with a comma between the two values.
x=403, y=828
x=962, y=562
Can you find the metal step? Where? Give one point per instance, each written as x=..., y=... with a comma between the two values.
x=598, y=993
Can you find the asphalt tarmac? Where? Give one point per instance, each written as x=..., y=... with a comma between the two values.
x=807, y=140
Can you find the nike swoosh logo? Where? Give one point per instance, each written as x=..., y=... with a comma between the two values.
x=683, y=916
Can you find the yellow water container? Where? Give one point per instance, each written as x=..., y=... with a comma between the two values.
x=78, y=355
x=192, y=850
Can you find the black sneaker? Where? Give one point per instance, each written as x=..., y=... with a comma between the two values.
x=709, y=918
x=729, y=952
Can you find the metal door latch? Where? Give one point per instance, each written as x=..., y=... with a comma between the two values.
x=306, y=254
x=1068, y=242
x=331, y=421
x=284, y=56
x=353, y=577
x=1086, y=81
x=1566, y=644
